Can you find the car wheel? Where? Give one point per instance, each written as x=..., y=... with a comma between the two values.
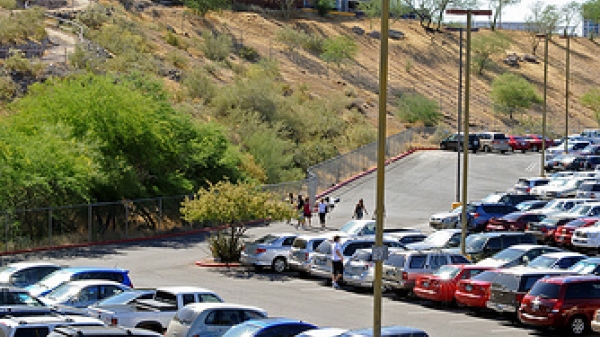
x=523, y=151
x=443, y=146
x=578, y=325
x=486, y=149
x=503, y=151
x=279, y=265
x=401, y=293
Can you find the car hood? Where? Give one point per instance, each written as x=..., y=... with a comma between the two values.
x=421, y=246
x=489, y=262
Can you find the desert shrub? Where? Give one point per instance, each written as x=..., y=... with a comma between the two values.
x=82, y=59
x=416, y=108
x=339, y=49
x=324, y=7
x=198, y=85
x=119, y=39
x=8, y=88
x=216, y=48
x=23, y=26
x=313, y=44
x=178, y=58
x=133, y=62
x=94, y=17
x=248, y=54
x=18, y=63
x=223, y=247
x=172, y=39
x=8, y=4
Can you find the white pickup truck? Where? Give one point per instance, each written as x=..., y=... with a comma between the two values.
x=156, y=313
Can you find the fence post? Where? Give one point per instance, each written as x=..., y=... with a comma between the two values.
x=89, y=222
x=50, y=226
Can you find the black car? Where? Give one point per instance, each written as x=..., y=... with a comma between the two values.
x=482, y=245
x=454, y=142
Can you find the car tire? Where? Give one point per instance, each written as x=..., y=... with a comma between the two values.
x=503, y=151
x=486, y=149
x=279, y=265
x=401, y=293
x=578, y=325
x=443, y=147
x=523, y=151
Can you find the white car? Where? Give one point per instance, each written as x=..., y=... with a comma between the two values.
x=210, y=319
x=80, y=294
x=557, y=260
x=587, y=237
x=585, y=209
x=566, y=188
x=446, y=219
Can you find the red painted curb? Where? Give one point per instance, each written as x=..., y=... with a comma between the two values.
x=217, y=264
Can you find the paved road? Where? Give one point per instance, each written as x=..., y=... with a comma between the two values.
x=415, y=187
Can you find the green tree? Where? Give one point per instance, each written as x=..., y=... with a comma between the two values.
x=591, y=12
x=413, y=108
x=484, y=46
x=324, y=6
x=202, y=7
x=339, y=49
x=225, y=203
x=543, y=20
x=512, y=92
x=591, y=99
x=498, y=6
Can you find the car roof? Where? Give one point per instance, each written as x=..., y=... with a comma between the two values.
x=386, y=331
x=571, y=279
x=76, y=270
x=25, y=265
x=527, y=246
x=559, y=255
x=521, y=270
x=201, y=306
x=500, y=233
x=185, y=289
x=51, y=319
x=94, y=330
x=83, y=283
x=271, y=321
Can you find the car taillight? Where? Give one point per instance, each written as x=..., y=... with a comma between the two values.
x=114, y=321
x=476, y=215
x=366, y=266
x=260, y=250
x=306, y=256
x=528, y=189
x=557, y=306
x=404, y=275
x=519, y=297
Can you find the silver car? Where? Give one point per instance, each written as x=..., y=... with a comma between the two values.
x=302, y=250
x=359, y=271
x=271, y=250
x=210, y=319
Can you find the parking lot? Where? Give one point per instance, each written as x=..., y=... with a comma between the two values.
x=416, y=187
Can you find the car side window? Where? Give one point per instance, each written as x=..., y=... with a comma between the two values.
x=459, y=259
x=509, y=241
x=251, y=314
x=227, y=317
x=188, y=298
x=208, y=298
x=89, y=294
x=579, y=290
x=436, y=261
x=417, y=262
x=288, y=241
x=494, y=244
x=350, y=249
x=109, y=290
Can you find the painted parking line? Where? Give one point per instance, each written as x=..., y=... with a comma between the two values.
x=531, y=167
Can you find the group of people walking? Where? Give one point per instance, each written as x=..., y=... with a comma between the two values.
x=305, y=211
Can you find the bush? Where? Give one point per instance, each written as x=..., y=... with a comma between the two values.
x=178, y=59
x=198, y=85
x=324, y=7
x=94, y=17
x=18, y=63
x=172, y=39
x=248, y=54
x=8, y=4
x=85, y=60
x=291, y=37
x=413, y=108
x=339, y=49
x=313, y=44
x=216, y=48
x=225, y=247
x=8, y=88
x=21, y=26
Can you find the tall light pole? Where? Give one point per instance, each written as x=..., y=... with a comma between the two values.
x=543, y=157
x=567, y=71
x=465, y=147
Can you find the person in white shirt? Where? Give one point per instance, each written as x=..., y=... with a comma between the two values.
x=337, y=260
x=322, y=205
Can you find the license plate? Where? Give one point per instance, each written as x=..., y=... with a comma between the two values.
x=425, y=284
x=469, y=287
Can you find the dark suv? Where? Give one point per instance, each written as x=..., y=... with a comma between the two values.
x=562, y=302
x=455, y=141
x=482, y=245
x=482, y=213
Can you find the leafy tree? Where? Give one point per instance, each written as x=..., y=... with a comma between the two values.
x=498, y=6
x=591, y=99
x=339, y=49
x=484, y=46
x=413, y=108
x=543, y=20
x=591, y=12
x=202, y=7
x=372, y=10
x=512, y=92
x=324, y=6
x=571, y=15
x=225, y=203
x=429, y=11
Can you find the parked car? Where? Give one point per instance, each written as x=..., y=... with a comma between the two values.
x=524, y=185
x=24, y=274
x=587, y=238
x=475, y=292
x=271, y=250
x=83, y=293
x=401, y=269
x=479, y=246
x=589, y=163
x=589, y=266
x=359, y=270
x=511, y=284
x=575, y=146
x=455, y=141
x=557, y=260
x=321, y=265
x=493, y=141
x=513, y=198
x=560, y=205
x=591, y=150
x=516, y=221
x=531, y=205
x=11, y=297
x=568, y=188
x=562, y=302
x=302, y=250
x=518, y=143
x=441, y=285
x=544, y=230
x=100, y=331
x=564, y=233
x=447, y=220
x=363, y=228
x=407, y=237
x=269, y=327
x=589, y=189
x=517, y=255
x=443, y=238
x=387, y=331
x=41, y=325
x=322, y=332
x=482, y=213
x=55, y=279
x=210, y=319
x=535, y=142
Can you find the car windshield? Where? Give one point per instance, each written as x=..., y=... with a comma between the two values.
x=63, y=292
x=545, y=290
x=555, y=204
x=267, y=239
x=121, y=298
x=492, y=198
x=580, y=209
x=242, y=330
x=438, y=238
x=584, y=267
x=542, y=262
x=55, y=279
x=353, y=227
x=508, y=254
x=474, y=243
x=361, y=255
x=18, y=298
x=447, y=272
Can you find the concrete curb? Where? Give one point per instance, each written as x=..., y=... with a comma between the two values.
x=212, y=264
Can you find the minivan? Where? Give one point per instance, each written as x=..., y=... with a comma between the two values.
x=301, y=252
x=562, y=302
x=482, y=245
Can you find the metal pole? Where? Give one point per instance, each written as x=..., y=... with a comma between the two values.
x=50, y=226
x=567, y=93
x=381, y=143
x=459, y=128
x=464, y=220
x=543, y=159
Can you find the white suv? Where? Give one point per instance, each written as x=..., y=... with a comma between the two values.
x=493, y=141
x=42, y=325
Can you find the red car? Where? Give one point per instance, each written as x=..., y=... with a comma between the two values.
x=565, y=302
x=516, y=221
x=475, y=292
x=535, y=142
x=441, y=285
x=518, y=143
x=563, y=234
